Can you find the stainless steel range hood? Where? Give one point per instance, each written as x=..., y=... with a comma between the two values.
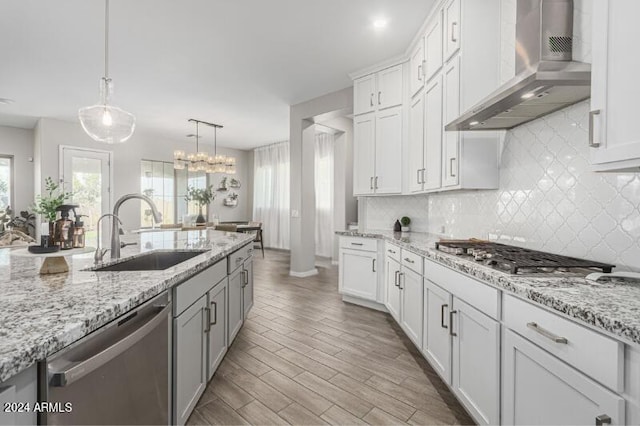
x=547, y=79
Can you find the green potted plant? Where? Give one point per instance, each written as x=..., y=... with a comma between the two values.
x=202, y=197
x=47, y=205
x=405, y=221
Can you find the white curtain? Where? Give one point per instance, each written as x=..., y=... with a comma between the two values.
x=323, y=178
x=271, y=193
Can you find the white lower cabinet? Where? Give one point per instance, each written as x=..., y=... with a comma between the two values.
x=392, y=296
x=476, y=361
x=358, y=274
x=540, y=389
x=15, y=393
x=247, y=289
x=236, y=309
x=190, y=358
x=411, y=310
x=436, y=340
x=218, y=340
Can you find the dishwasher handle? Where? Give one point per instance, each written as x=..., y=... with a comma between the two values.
x=84, y=367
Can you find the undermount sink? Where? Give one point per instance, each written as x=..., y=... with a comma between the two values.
x=153, y=261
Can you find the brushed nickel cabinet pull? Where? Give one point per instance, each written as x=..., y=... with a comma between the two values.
x=375, y=185
x=409, y=260
x=373, y=265
x=442, y=308
x=379, y=98
x=451, y=160
x=207, y=327
x=357, y=244
x=391, y=251
x=371, y=183
x=397, y=280
x=451, y=332
x=215, y=315
x=453, y=32
x=418, y=175
x=546, y=333
x=371, y=100
x=603, y=419
x=420, y=72
x=400, y=280
x=423, y=172
x=592, y=142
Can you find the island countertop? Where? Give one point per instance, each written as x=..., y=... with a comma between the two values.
x=42, y=314
x=611, y=305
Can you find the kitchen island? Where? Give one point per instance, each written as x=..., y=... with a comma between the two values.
x=42, y=314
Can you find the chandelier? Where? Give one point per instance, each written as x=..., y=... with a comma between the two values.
x=200, y=161
x=104, y=122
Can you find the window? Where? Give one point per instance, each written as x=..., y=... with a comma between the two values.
x=184, y=180
x=6, y=182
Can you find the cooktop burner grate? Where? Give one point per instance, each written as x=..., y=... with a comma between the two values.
x=514, y=259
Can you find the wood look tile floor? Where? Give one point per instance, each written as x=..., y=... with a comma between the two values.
x=304, y=357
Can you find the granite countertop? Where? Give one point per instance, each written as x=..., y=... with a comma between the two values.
x=610, y=304
x=42, y=314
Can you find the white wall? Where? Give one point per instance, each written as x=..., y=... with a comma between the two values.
x=50, y=134
x=19, y=144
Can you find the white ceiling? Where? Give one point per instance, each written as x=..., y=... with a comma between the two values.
x=240, y=63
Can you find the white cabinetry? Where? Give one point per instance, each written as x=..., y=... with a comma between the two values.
x=436, y=341
x=411, y=309
x=20, y=389
x=540, y=389
x=433, y=47
x=476, y=361
x=613, y=135
x=393, y=293
x=378, y=91
x=364, y=90
x=247, y=289
x=190, y=358
x=452, y=28
x=236, y=309
x=358, y=274
x=416, y=143
x=416, y=68
x=364, y=153
x=451, y=110
x=432, y=173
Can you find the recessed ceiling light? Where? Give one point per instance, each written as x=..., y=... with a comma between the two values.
x=380, y=23
x=6, y=101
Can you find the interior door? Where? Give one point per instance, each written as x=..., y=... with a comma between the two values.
x=568, y=397
x=416, y=144
x=388, y=158
x=364, y=153
x=87, y=173
x=436, y=341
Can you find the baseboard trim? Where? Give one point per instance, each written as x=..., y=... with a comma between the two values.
x=366, y=303
x=305, y=274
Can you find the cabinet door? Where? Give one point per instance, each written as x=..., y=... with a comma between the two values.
x=476, y=361
x=433, y=47
x=236, y=310
x=190, y=360
x=540, y=389
x=364, y=94
x=416, y=144
x=432, y=175
x=411, y=311
x=451, y=110
x=389, y=88
x=364, y=153
x=416, y=63
x=451, y=28
x=436, y=341
x=388, y=159
x=614, y=87
x=247, y=289
x=218, y=341
x=392, y=288
x=358, y=274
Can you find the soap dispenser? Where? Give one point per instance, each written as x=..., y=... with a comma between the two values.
x=78, y=231
x=63, y=227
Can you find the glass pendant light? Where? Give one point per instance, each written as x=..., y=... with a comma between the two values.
x=104, y=122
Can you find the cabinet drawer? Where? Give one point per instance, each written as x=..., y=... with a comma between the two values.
x=193, y=289
x=596, y=355
x=412, y=261
x=392, y=251
x=355, y=243
x=237, y=257
x=481, y=296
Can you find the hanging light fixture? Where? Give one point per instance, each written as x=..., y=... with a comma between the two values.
x=201, y=161
x=104, y=122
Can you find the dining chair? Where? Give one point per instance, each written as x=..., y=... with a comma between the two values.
x=227, y=227
x=258, y=232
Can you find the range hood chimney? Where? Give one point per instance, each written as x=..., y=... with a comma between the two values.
x=546, y=77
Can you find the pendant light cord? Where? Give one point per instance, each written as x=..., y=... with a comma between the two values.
x=197, y=135
x=215, y=141
x=106, y=39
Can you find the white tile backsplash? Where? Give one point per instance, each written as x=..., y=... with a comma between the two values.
x=548, y=197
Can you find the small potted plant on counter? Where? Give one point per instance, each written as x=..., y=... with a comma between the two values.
x=47, y=205
x=202, y=197
x=405, y=221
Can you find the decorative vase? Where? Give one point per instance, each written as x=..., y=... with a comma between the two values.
x=200, y=220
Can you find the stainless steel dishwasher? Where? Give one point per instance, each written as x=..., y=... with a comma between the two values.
x=120, y=374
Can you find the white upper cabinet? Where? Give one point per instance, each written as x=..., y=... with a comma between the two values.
x=364, y=154
x=389, y=87
x=613, y=136
x=364, y=91
x=416, y=144
x=417, y=65
x=451, y=110
x=452, y=29
x=433, y=47
x=388, y=176
x=432, y=172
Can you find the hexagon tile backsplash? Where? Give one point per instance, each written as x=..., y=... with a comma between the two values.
x=548, y=199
